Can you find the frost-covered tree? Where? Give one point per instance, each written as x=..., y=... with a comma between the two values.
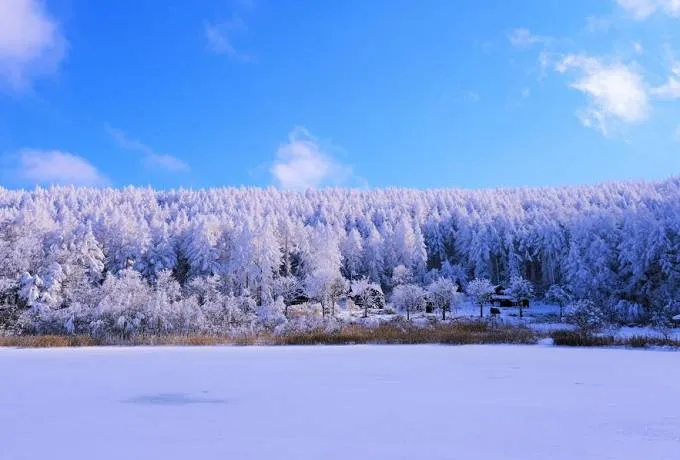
x=662, y=319
x=480, y=291
x=617, y=244
x=289, y=289
x=455, y=273
x=200, y=247
x=401, y=274
x=373, y=259
x=408, y=298
x=121, y=310
x=326, y=287
x=557, y=294
x=272, y=314
x=262, y=260
x=325, y=282
x=352, y=252
x=160, y=254
x=443, y=294
x=522, y=290
x=367, y=294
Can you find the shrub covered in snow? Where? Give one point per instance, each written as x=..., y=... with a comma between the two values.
x=272, y=314
x=587, y=316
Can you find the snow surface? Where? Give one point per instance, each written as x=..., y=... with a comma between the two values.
x=352, y=402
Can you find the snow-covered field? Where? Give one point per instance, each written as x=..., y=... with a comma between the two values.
x=352, y=402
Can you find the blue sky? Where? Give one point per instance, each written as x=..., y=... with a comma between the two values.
x=306, y=93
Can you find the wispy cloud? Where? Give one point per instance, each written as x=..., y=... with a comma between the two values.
x=524, y=38
x=151, y=157
x=220, y=37
x=670, y=89
x=53, y=167
x=31, y=43
x=303, y=163
x=642, y=9
x=615, y=91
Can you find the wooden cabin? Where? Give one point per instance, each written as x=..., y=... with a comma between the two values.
x=501, y=298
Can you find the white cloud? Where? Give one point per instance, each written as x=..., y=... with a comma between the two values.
x=303, y=163
x=219, y=37
x=31, y=43
x=523, y=38
x=55, y=167
x=153, y=159
x=642, y=9
x=615, y=91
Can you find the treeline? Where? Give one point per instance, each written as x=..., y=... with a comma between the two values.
x=87, y=259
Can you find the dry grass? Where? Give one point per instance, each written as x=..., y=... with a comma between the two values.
x=48, y=341
x=397, y=332
x=56, y=341
x=453, y=334
x=574, y=339
x=638, y=341
x=459, y=333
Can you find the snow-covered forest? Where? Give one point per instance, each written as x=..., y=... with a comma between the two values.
x=90, y=260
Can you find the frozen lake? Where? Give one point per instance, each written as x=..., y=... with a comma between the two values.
x=352, y=402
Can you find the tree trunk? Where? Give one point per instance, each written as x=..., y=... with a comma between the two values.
x=521, y=311
x=365, y=309
x=408, y=316
x=444, y=313
x=481, y=310
x=561, y=308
